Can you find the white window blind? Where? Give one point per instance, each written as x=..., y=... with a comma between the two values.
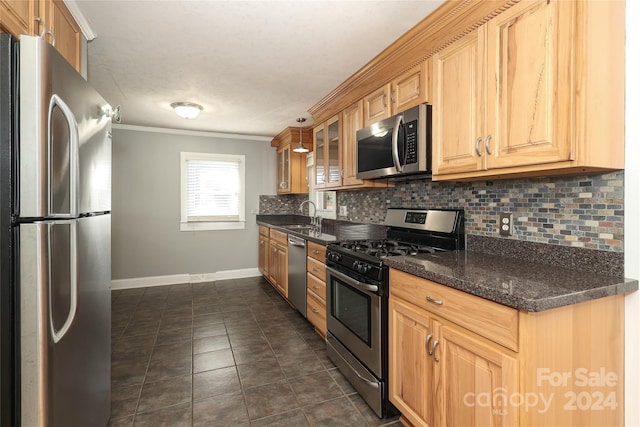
x=212, y=189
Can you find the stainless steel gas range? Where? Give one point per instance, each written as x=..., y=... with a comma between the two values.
x=358, y=291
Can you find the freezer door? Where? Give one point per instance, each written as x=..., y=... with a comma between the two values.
x=65, y=306
x=65, y=137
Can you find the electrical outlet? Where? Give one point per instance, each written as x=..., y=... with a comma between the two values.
x=506, y=224
x=343, y=210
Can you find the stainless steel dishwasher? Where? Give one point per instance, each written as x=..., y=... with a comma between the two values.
x=297, y=268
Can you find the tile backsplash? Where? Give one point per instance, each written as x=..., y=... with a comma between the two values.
x=578, y=211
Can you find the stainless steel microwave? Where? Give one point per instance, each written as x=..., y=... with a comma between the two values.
x=398, y=147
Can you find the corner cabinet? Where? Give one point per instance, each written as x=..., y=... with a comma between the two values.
x=517, y=95
x=291, y=173
x=459, y=360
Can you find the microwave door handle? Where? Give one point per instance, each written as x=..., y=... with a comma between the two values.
x=394, y=144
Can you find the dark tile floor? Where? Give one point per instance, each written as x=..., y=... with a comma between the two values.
x=229, y=353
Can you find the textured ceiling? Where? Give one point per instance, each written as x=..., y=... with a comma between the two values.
x=255, y=66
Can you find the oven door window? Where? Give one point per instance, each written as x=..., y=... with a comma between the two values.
x=352, y=308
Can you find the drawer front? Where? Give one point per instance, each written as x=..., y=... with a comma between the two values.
x=491, y=320
x=278, y=236
x=317, y=251
x=317, y=312
x=316, y=268
x=317, y=286
x=263, y=230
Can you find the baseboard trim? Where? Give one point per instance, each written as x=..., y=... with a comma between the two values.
x=175, y=279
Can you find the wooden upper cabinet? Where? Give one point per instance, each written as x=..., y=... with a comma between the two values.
x=18, y=17
x=410, y=89
x=529, y=84
x=328, y=157
x=55, y=20
x=291, y=173
x=458, y=113
x=515, y=96
x=377, y=105
x=351, y=122
x=65, y=30
x=403, y=92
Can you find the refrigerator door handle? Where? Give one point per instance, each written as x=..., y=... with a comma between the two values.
x=74, y=156
x=73, y=278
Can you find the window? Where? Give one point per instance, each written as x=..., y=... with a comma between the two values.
x=212, y=187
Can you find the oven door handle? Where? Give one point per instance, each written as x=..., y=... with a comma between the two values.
x=360, y=377
x=353, y=282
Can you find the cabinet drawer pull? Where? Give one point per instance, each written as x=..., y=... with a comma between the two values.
x=478, y=141
x=435, y=301
x=315, y=310
x=315, y=287
x=315, y=270
x=426, y=343
x=486, y=144
x=315, y=252
x=433, y=349
x=384, y=100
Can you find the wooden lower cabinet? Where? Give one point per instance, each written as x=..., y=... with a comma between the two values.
x=316, y=287
x=410, y=370
x=566, y=369
x=278, y=258
x=439, y=371
x=263, y=250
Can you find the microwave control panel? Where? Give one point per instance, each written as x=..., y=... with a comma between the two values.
x=411, y=132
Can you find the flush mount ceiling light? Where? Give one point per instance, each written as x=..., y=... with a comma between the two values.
x=187, y=110
x=301, y=148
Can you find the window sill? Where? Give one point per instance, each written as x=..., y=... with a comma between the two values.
x=210, y=226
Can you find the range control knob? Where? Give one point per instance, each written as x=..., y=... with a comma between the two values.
x=335, y=257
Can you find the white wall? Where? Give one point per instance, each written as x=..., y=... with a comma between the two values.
x=632, y=214
x=146, y=236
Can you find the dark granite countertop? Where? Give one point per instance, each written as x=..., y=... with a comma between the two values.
x=521, y=284
x=332, y=230
x=514, y=282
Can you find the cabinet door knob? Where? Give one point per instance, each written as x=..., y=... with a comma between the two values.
x=478, y=141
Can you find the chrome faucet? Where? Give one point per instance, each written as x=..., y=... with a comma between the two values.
x=316, y=221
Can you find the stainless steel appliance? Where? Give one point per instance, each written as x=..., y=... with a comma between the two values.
x=398, y=147
x=297, y=273
x=55, y=238
x=358, y=291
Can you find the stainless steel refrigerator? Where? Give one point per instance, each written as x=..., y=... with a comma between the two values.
x=55, y=241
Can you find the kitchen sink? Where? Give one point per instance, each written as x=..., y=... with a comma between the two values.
x=298, y=227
